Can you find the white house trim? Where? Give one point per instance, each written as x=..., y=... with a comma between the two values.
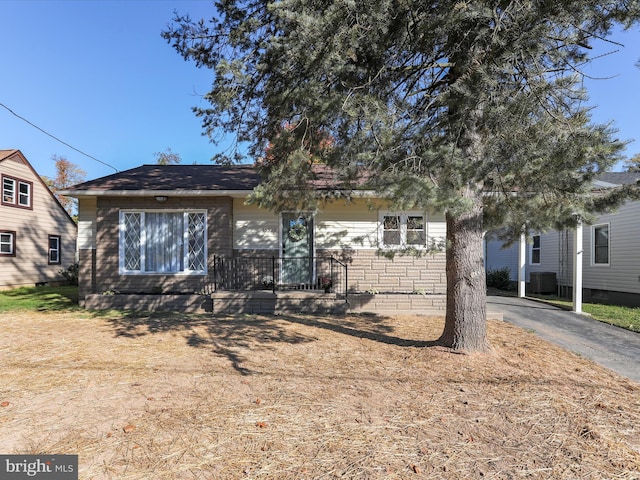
x=577, y=268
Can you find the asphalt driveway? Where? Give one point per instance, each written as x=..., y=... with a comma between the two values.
x=610, y=346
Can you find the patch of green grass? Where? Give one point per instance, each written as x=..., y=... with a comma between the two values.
x=39, y=299
x=625, y=317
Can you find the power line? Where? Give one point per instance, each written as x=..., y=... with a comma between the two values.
x=56, y=138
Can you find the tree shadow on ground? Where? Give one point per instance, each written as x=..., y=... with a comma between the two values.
x=224, y=336
x=230, y=336
x=370, y=327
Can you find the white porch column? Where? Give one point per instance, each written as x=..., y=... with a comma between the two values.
x=522, y=255
x=577, y=268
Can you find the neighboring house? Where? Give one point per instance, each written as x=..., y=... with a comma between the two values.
x=611, y=263
x=37, y=235
x=188, y=228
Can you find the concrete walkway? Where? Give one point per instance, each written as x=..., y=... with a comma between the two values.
x=612, y=347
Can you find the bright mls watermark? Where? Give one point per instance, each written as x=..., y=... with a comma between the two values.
x=49, y=467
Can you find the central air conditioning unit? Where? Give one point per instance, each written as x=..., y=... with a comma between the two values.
x=542, y=282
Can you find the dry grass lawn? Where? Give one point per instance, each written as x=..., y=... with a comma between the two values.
x=302, y=397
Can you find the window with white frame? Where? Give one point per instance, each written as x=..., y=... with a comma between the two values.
x=163, y=242
x=535, y=250
x=24, y=194
x=8, y=190
x=16, y=192
x=7, y=243
x=405, y=229
x=54, y=250
x=600, y=250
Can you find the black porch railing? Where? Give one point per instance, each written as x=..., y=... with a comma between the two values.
x=326, y=274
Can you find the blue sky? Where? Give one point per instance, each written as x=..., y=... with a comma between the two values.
x=97, y=75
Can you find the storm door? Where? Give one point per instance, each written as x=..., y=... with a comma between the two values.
x=297, y=249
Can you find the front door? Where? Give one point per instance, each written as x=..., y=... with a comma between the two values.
x=297, y=249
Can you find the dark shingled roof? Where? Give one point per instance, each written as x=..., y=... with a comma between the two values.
x=193, y=179
x=226, y=178
x=620, y=178
x=176, y=177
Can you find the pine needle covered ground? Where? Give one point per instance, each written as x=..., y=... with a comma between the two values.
x=304, y=397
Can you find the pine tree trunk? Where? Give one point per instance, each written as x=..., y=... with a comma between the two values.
x=465, y=324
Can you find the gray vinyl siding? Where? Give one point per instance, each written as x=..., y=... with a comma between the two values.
x=498, y=257
x=623, y=272
x=556, y=255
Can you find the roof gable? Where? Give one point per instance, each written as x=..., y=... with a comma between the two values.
x=14, y=155
x=17, y=155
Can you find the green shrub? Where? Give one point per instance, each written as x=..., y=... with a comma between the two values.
x=71, y=273
x=499, y=279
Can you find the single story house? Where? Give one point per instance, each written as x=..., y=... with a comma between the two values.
x=610, y=260
x=37, y=235
x=183, y=229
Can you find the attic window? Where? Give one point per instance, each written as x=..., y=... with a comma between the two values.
x=16, y=192
x=24, y=194
x=8, y=190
